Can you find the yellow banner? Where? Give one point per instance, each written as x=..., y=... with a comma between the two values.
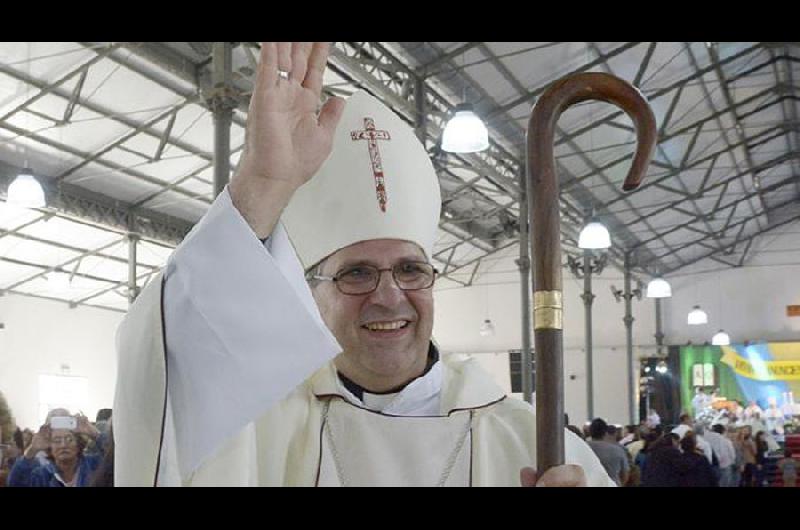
x=761, y=370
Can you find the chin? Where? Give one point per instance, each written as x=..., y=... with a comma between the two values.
x=392, y=362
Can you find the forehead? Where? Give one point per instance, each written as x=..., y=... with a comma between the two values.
x=60, y=432
x=377, y=251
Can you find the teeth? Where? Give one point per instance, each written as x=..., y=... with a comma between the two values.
x=386, y=326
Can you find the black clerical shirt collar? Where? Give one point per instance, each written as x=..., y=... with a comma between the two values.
x=358, y=391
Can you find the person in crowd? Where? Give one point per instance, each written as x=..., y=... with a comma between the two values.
x=613, y=435
x=699, y=434
x=762, y=449
x=104, y=475
x=738, y=463
x=685, y=424
x=612, y=456
x=636, y=447
x=641, y=456
x=788, y=466
x=661, y=466
x=749, y=452
x=631, y=434
x=653, y=419
x=694, y=469
x=725, y=453
x=102, y=424
x=576, y=430
x=66, y=466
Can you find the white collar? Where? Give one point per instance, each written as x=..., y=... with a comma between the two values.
x=419, y=398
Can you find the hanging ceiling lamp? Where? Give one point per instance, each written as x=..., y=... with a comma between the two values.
x=697, y=316
x=721, y=339
x=465, y=132
x=659, y=288
x=26, y=191
x=487, y=328
x=594, y=236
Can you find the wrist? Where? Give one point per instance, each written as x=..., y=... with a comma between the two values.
x=260, y=201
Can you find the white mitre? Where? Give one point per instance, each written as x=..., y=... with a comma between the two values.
x=378, y=183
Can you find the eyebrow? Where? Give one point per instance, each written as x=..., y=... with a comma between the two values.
x=356, y=263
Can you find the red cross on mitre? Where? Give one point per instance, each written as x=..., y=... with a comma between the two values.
x=372, y=135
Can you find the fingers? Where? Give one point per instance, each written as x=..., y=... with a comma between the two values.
x=331, y=113
x=267, y=67
x=317, y=62
x=300, y=52
x=564, y=476
x=285, y=56
x=527, y=477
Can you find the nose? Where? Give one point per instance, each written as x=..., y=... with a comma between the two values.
x=388, y=292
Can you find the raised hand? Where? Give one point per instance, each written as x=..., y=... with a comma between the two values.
x=287, y=141
x=84, y=427
x=40, y=442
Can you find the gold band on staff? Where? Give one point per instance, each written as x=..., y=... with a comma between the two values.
x=548, y=310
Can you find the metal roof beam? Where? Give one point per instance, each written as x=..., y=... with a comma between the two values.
x=531, y=95
x=105, y=163
x=699, y=123
x=761, y=232
x=718, y=209
x=63, y=79
x=715, y=235
x=98, y=210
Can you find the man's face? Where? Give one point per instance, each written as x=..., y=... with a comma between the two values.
x=384, y=334
x=63, y=444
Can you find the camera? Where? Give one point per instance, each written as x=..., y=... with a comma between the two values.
x=63, y=422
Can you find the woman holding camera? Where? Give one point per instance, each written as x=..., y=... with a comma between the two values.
x=66, y=464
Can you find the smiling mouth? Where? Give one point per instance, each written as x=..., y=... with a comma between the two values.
x=386, y=326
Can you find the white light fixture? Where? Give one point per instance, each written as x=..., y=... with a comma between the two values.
x=465, y=132
x=594, y=236
x=659, y=288
x=26, y=191
x=487, y=328
x=721, y=339
x=697, y=316
x=662, y=367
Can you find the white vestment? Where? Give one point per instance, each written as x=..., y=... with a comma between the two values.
x=225, y=377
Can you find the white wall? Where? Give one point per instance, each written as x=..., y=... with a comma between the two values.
x=748, y=302
x=496, y=295
x=40, y=336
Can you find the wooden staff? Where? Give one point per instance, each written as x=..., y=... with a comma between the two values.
x=546, y=232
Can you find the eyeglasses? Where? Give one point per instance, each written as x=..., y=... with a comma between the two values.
x=66, y=440
x=364, y=279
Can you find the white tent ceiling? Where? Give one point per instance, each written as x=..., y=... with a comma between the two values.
x=122, y=133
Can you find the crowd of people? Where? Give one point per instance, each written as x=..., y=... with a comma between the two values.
x=687, y=454
x=66, y=451
x=70, y=451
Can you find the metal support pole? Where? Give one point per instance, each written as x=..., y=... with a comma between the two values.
x=524, y=263
x=659, y=333
x=629, y=339
x=421, y=109
x=588, y=299
x=222, y=105
x=133, y=289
